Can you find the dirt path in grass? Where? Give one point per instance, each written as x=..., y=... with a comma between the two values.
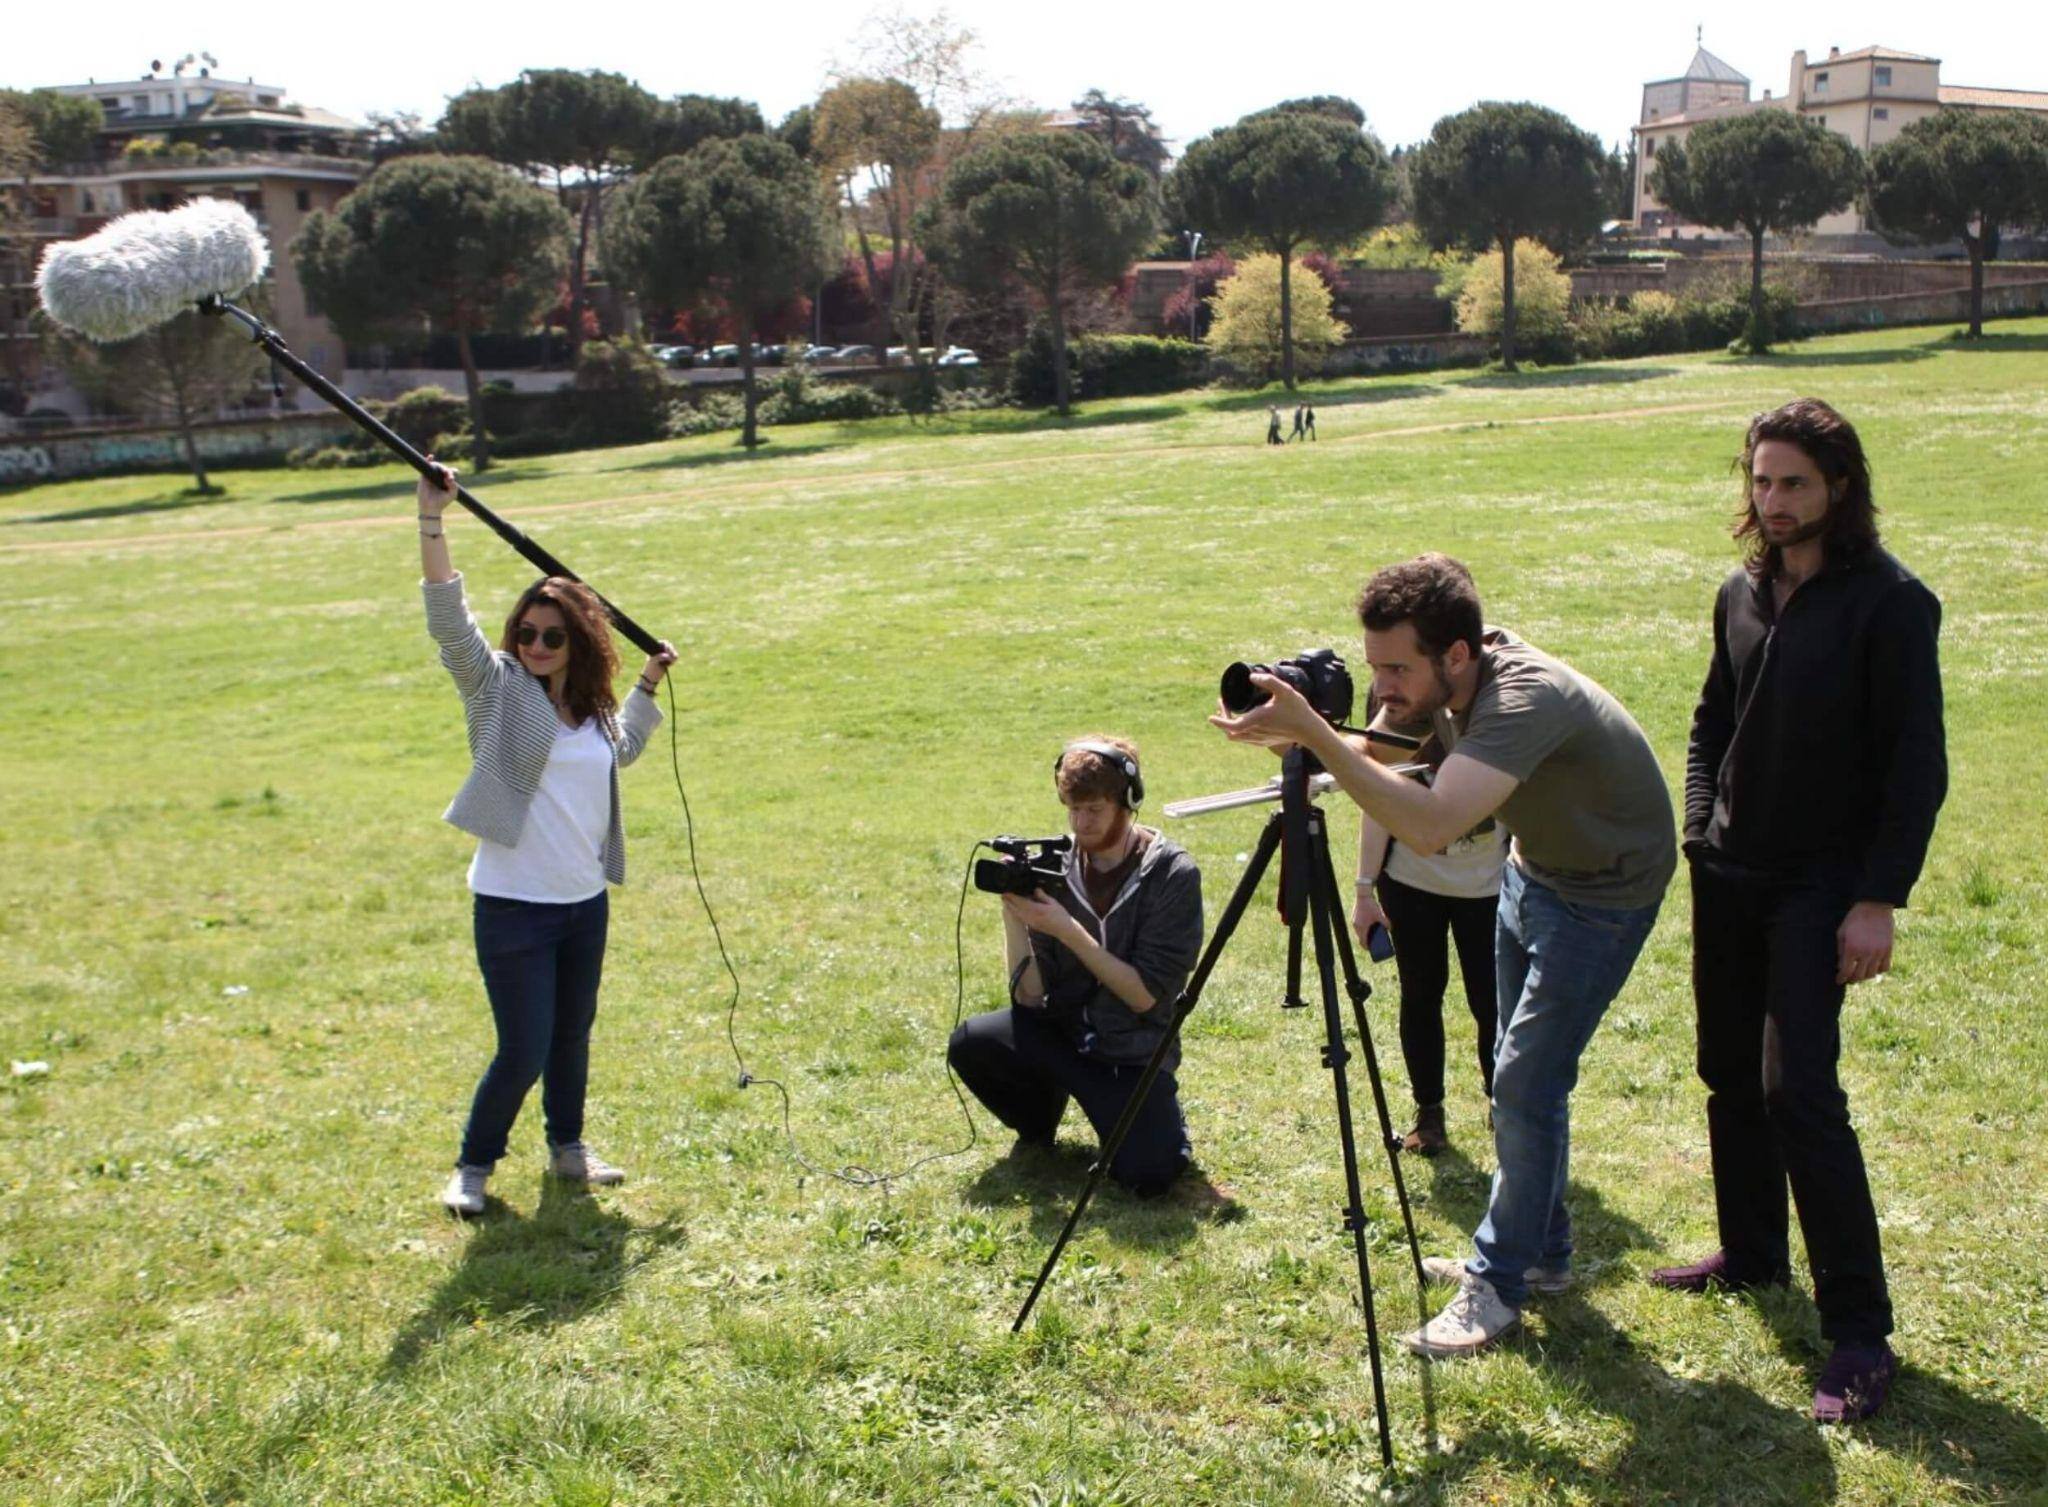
x=889, y=477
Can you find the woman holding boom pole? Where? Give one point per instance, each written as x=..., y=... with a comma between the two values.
x=548, y=737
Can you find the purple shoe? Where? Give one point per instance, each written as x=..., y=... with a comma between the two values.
x=1712, y=1273
x=1854, y=1383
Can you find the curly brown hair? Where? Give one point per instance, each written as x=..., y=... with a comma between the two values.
x=1432, y=591
x=593, y=662
x=1830, y=442
x=1087, y=776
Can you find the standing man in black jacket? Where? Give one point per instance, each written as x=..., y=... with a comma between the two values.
x=1814, y=774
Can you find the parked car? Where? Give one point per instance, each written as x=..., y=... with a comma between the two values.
x=677, y=355
x=721, y=355
x=819, y=355
x=897, y=355
x=850, y=354
x=770, y=355
x=958, y=355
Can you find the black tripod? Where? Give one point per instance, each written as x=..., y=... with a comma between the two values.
x=1308, y=901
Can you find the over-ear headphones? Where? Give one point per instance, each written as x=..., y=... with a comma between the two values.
x=1134, y=782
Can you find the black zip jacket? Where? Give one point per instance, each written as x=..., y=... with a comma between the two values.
x=1817, y=749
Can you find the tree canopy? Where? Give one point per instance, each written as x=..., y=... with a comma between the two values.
x=461, y=243
x=742, y=220
x=61, y=126
x=1499, y=173
x=1278, y=181
x=1054, y=211
x=1125, y=128
x=1962, y=175
x=1762, y=172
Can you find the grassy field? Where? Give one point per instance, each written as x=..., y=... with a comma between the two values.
x=234, y=928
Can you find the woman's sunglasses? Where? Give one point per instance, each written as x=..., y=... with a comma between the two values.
x=550, y=638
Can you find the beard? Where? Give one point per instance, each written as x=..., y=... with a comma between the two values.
x=1111, y=839
x=1431, y=702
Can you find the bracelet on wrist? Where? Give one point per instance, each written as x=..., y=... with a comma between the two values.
x=1367, y=881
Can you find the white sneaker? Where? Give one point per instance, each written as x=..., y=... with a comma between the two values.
x=1471, y=1321
x=577, y=1163
x=1541, y=1279
x=464, y=1193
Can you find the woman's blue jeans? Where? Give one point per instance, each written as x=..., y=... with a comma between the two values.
x=541, y=965
x=1558, y=966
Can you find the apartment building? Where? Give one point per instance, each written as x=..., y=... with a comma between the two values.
x=173, y=135
x=1868, y=96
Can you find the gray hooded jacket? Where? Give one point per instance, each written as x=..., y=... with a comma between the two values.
x=1155, y=925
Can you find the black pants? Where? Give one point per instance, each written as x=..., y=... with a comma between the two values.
x=1423, y=924
x=541, y=966
x=1022, y=1066
x=1764, y=958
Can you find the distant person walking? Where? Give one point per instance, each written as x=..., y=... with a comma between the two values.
x=1297, y=434
x=1273, y=425
x=1308, y=416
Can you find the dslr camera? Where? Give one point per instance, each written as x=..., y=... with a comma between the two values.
x=1319, y=674
x=1027, y=864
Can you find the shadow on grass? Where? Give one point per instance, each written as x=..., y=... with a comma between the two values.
x=1688, y=1441
x=191, y=497
x=989, y=423
x=1784, y=360
x=397, y=486
x=1996, y=1452
x=1456, y=1188
x=1572, y=376
x=768, y=450
x=1354, y=397
x=568, y=1260
x=1991, y=344
x=1050, y=1180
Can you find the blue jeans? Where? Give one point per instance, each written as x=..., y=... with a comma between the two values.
x=1558, y=966
x=541, y=965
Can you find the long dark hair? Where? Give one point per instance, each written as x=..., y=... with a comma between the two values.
x=593, y=662
x=1829, y=441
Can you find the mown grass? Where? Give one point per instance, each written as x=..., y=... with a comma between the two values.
x=232, y=925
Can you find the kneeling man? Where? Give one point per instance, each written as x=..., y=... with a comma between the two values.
x=1094, y=973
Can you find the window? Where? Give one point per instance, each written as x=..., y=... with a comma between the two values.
x=1820, y=83
x=266, y=99
x=140, y=104
x=110, y=101
x=1881, y=113
x=1650, y=146
x=305, y=199
x=1884, y=76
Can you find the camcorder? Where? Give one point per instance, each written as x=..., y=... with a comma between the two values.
x=1320, y=675
x=1027, y=864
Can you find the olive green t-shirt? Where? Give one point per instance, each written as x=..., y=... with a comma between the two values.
x=1592, y=817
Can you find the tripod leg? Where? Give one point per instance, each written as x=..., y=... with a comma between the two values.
x=1183, y=1008
x=1359, y=990
x=1334, y=1055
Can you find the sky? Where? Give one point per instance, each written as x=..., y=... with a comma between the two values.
x=1198, y=66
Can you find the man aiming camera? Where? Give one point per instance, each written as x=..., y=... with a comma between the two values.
x=1568, y=772
x=1096, y=960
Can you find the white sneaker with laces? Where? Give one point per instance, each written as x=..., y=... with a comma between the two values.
x=464, y=1193
x=1471, y=1321
x=1541, y=1279
x=577, y=1163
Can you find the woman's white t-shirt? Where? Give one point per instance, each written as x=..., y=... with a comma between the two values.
x=559, y=858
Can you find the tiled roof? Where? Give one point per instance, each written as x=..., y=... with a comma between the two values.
x=1705, y=65
x=1995, y=99
x=1889, y=54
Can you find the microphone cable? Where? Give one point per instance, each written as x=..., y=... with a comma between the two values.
x=853, y=1174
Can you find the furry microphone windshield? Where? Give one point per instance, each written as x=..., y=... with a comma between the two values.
x=145, y=268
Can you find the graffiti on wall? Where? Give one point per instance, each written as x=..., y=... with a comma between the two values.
x=24, y=463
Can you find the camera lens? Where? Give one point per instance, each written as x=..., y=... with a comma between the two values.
x=1239, y=694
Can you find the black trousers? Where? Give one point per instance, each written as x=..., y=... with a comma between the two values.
x=1764, y=957
x=1423, y=925
x=1023, y=1067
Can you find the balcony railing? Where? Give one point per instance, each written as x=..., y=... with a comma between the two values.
x=168, y=161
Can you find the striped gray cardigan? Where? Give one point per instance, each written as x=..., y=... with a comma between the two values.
x=512, y=729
